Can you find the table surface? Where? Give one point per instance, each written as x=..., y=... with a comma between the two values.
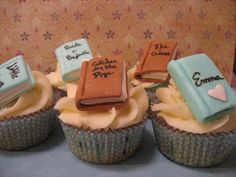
x=54, y=159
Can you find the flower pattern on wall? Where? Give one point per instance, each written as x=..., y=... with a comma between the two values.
x=36, y=28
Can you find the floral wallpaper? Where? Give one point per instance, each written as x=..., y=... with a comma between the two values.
x=117, y=27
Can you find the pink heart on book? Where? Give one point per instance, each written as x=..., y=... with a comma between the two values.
x=218, y=92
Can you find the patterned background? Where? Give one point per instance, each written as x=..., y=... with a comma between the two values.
x=117, y=27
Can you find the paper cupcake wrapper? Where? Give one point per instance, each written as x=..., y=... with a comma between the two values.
x=57, y=94
x=151, y=93
x=152, y=98
x=17, y=133
x=104, y=147
x=192, y=149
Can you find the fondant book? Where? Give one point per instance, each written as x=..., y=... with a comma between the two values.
x=71, y=56
x=103, y=84
x=153, y=67
x=204, y=88
x=16, y=78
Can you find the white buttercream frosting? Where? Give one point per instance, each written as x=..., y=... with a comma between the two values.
x=109, y=119
x=177, y=114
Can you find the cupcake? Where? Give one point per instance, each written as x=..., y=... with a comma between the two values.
x=194, y=122
x=151, y=71
x=105, y=132
x=28, y=118
x=70, y=57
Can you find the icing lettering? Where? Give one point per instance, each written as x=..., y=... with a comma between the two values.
x=101, y=68
x=103, y=62
x=77, y=55
x=199, y=81
x=1, y=84
x=159, y=50
x=14, y=70
x=102, y=74
x=67, y=47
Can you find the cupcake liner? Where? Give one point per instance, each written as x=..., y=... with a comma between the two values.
x=151, y=93
x=152, y=98
x=17, y=133
x=57, y=94
x=192, y=149
x=104, y=147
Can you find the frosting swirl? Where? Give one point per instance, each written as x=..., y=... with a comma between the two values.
x=36, y=99
x=177, y=114
x=55, y=79
x=110, y=119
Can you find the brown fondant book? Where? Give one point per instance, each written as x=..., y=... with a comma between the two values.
x=153, y=67
x=102, y=85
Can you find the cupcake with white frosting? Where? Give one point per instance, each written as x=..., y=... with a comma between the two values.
x=194, y=124
x=29, y=119
x=185, y=140
x=106, y=136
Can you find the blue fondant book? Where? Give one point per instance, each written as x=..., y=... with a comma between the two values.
x=203, y=87
x=71, y=56
x=16, y=78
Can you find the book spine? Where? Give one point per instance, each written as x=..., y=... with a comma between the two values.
x=83, y=79
x=146, y=55
x=196, y=103
x=60, y=59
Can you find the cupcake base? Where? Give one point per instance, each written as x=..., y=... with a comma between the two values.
x=18, y=133
x=152, y=98
x=104, y=147
x=192, y=149
x=151, y=91
x=57, y=94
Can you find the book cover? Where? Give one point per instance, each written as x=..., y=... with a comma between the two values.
x=71, y=56
x=153, y=67
x=16, y=78
x=203, y=87
x=103, y=84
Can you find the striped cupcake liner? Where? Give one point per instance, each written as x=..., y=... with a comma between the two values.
x=152, y=98
x=21, y=132
x=104, y=147
x=192, y=149
x=57, y=94
x=151, y=93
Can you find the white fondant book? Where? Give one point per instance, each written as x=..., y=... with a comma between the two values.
x=71, y=56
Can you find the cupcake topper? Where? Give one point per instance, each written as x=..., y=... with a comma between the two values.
x=70, y=56
x=15, y=79
x=207, y=93
x=153, y=67
x=103, y=84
